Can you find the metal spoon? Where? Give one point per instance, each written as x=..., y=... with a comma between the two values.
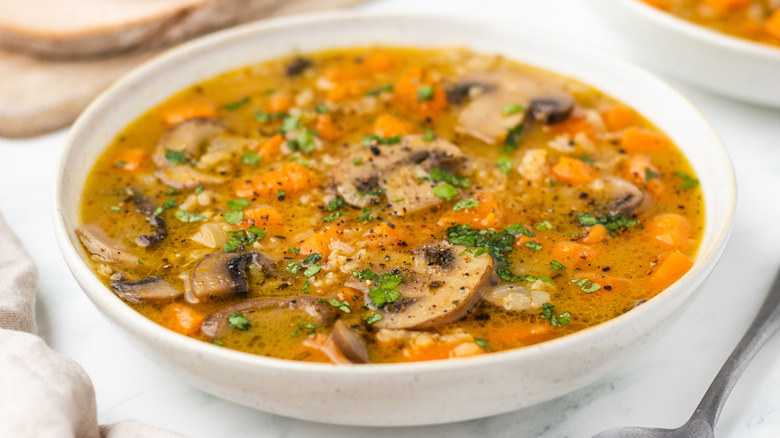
x=702, y=422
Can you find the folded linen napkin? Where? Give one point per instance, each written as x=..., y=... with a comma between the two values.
x=42, y=394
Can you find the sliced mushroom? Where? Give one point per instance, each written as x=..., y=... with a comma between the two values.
x=349, y=343
x=148, y=289
x=95, y=240
x=188, y=137
x=144, y=205
x=459, y=92
x=216, y=324
x=222, y=274
x=620, y=196
x=460, y=284
x=395, y=169
x=482, y=116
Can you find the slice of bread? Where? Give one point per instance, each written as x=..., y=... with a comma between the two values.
x=82, y=28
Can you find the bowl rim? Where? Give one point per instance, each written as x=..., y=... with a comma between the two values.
x=703, y=33
x=110, y=305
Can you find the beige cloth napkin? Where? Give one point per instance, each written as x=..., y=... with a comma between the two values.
x=42, y=394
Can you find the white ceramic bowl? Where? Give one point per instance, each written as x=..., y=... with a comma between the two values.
x=396, y=394
x=710, y=59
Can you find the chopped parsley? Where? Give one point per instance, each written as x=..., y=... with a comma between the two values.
x=199, y=189
x=251, y=158
x=555, y=266
x=294, y=250
x=120, y=163
x=171, y=192
x=336, y=203
x=465, y=203
x=384, y=290
x=587, y=286
x=379, y=90
x=439, y=174
x=370, y=139
x=306, y=285
x=504, y=164
x=236, y=214
x=425, y=92
x=176, y=157
x=334, y=216
x=547, y=313
x=240, y=238
x=280, y=194
x=587, y=159
x=533, y=246
x=372, y=318
x=688, y=182
x=533, y=278
x=482, y=343
x=544, y=225
x=429, y=134
x=312, y=270
x=239, y=322
x=307, y=329
x=171, y=203
x=650, y=175
x=233, y=217
x=238, y=204
x=512, y=108
x=365, y=274
x=513, y=139
x=304, y=142
x=310, y=263
x=495, y=243
x=232, y=106
x=341, y=305
x=518, y=229
x=264, y=117
x=445, y=191
x=290, y=123
x=613, y=223
x=302, y=161
x=187, y=217
x=321, y=109
x=357, y=161
x=117, y=208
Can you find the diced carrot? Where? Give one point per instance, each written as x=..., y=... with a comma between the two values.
x=573, y=253
x=271, y=147
x=266, y=218
x=573, y=126
x=572, y=171
x=671, y=230
x=388, y=125
x=319, y=242
x=596, y=234
x=181, y=318
x=407, y=93
x=345, y=72
x=635, y=170
x=772, y=26
x=669, y=269
x=619, y=117
x=523, y=334
x=280, y=103
x=182, y=113
x=641, y=141
x=379, y=62
x=382, y=235
x=292, y=178
x=485, y=215
x=351, y=296
x=337, y=93
x=726, y=5
x=434, y=351
x=327, y=128
x=130, y=159
x=608, y=284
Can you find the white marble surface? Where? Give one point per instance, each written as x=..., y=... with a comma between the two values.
x=660, y=388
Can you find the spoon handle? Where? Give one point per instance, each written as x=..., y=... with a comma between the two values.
x=763, y=327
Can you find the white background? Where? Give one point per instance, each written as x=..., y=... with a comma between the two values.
x=660, y=387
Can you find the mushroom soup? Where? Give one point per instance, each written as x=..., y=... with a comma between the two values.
x=389, y=205
x=756, y=20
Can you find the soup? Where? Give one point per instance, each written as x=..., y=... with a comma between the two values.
x=389, y=205
x=756, y=20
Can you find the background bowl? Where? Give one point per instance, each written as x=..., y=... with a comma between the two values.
x=710, y=59
x=396, y=394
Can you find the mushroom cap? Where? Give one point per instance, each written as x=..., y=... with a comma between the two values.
x=392, y=168
x=460, y=281
x=215, y=324
x=148, y=289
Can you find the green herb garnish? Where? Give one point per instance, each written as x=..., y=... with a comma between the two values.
x=512, y=108
x=513, y=139
x=372, y=318
x=239, y=321
x=341, y=305
x=176, y=157
x=384, y=291
x=425, y=92
x=232, y=106
x=613, y=223
x=482, y=343
x=379, y=90
x=555, y=266
x=251, y=158
x=547, y=313
x=439, y=174
x=688, y=182
x=587, y=286
x=445, y=191
x=187, y=217
x=337, y=203
x=504, y=164
x=544, y=225
x=373, y=138
x=465, y=203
